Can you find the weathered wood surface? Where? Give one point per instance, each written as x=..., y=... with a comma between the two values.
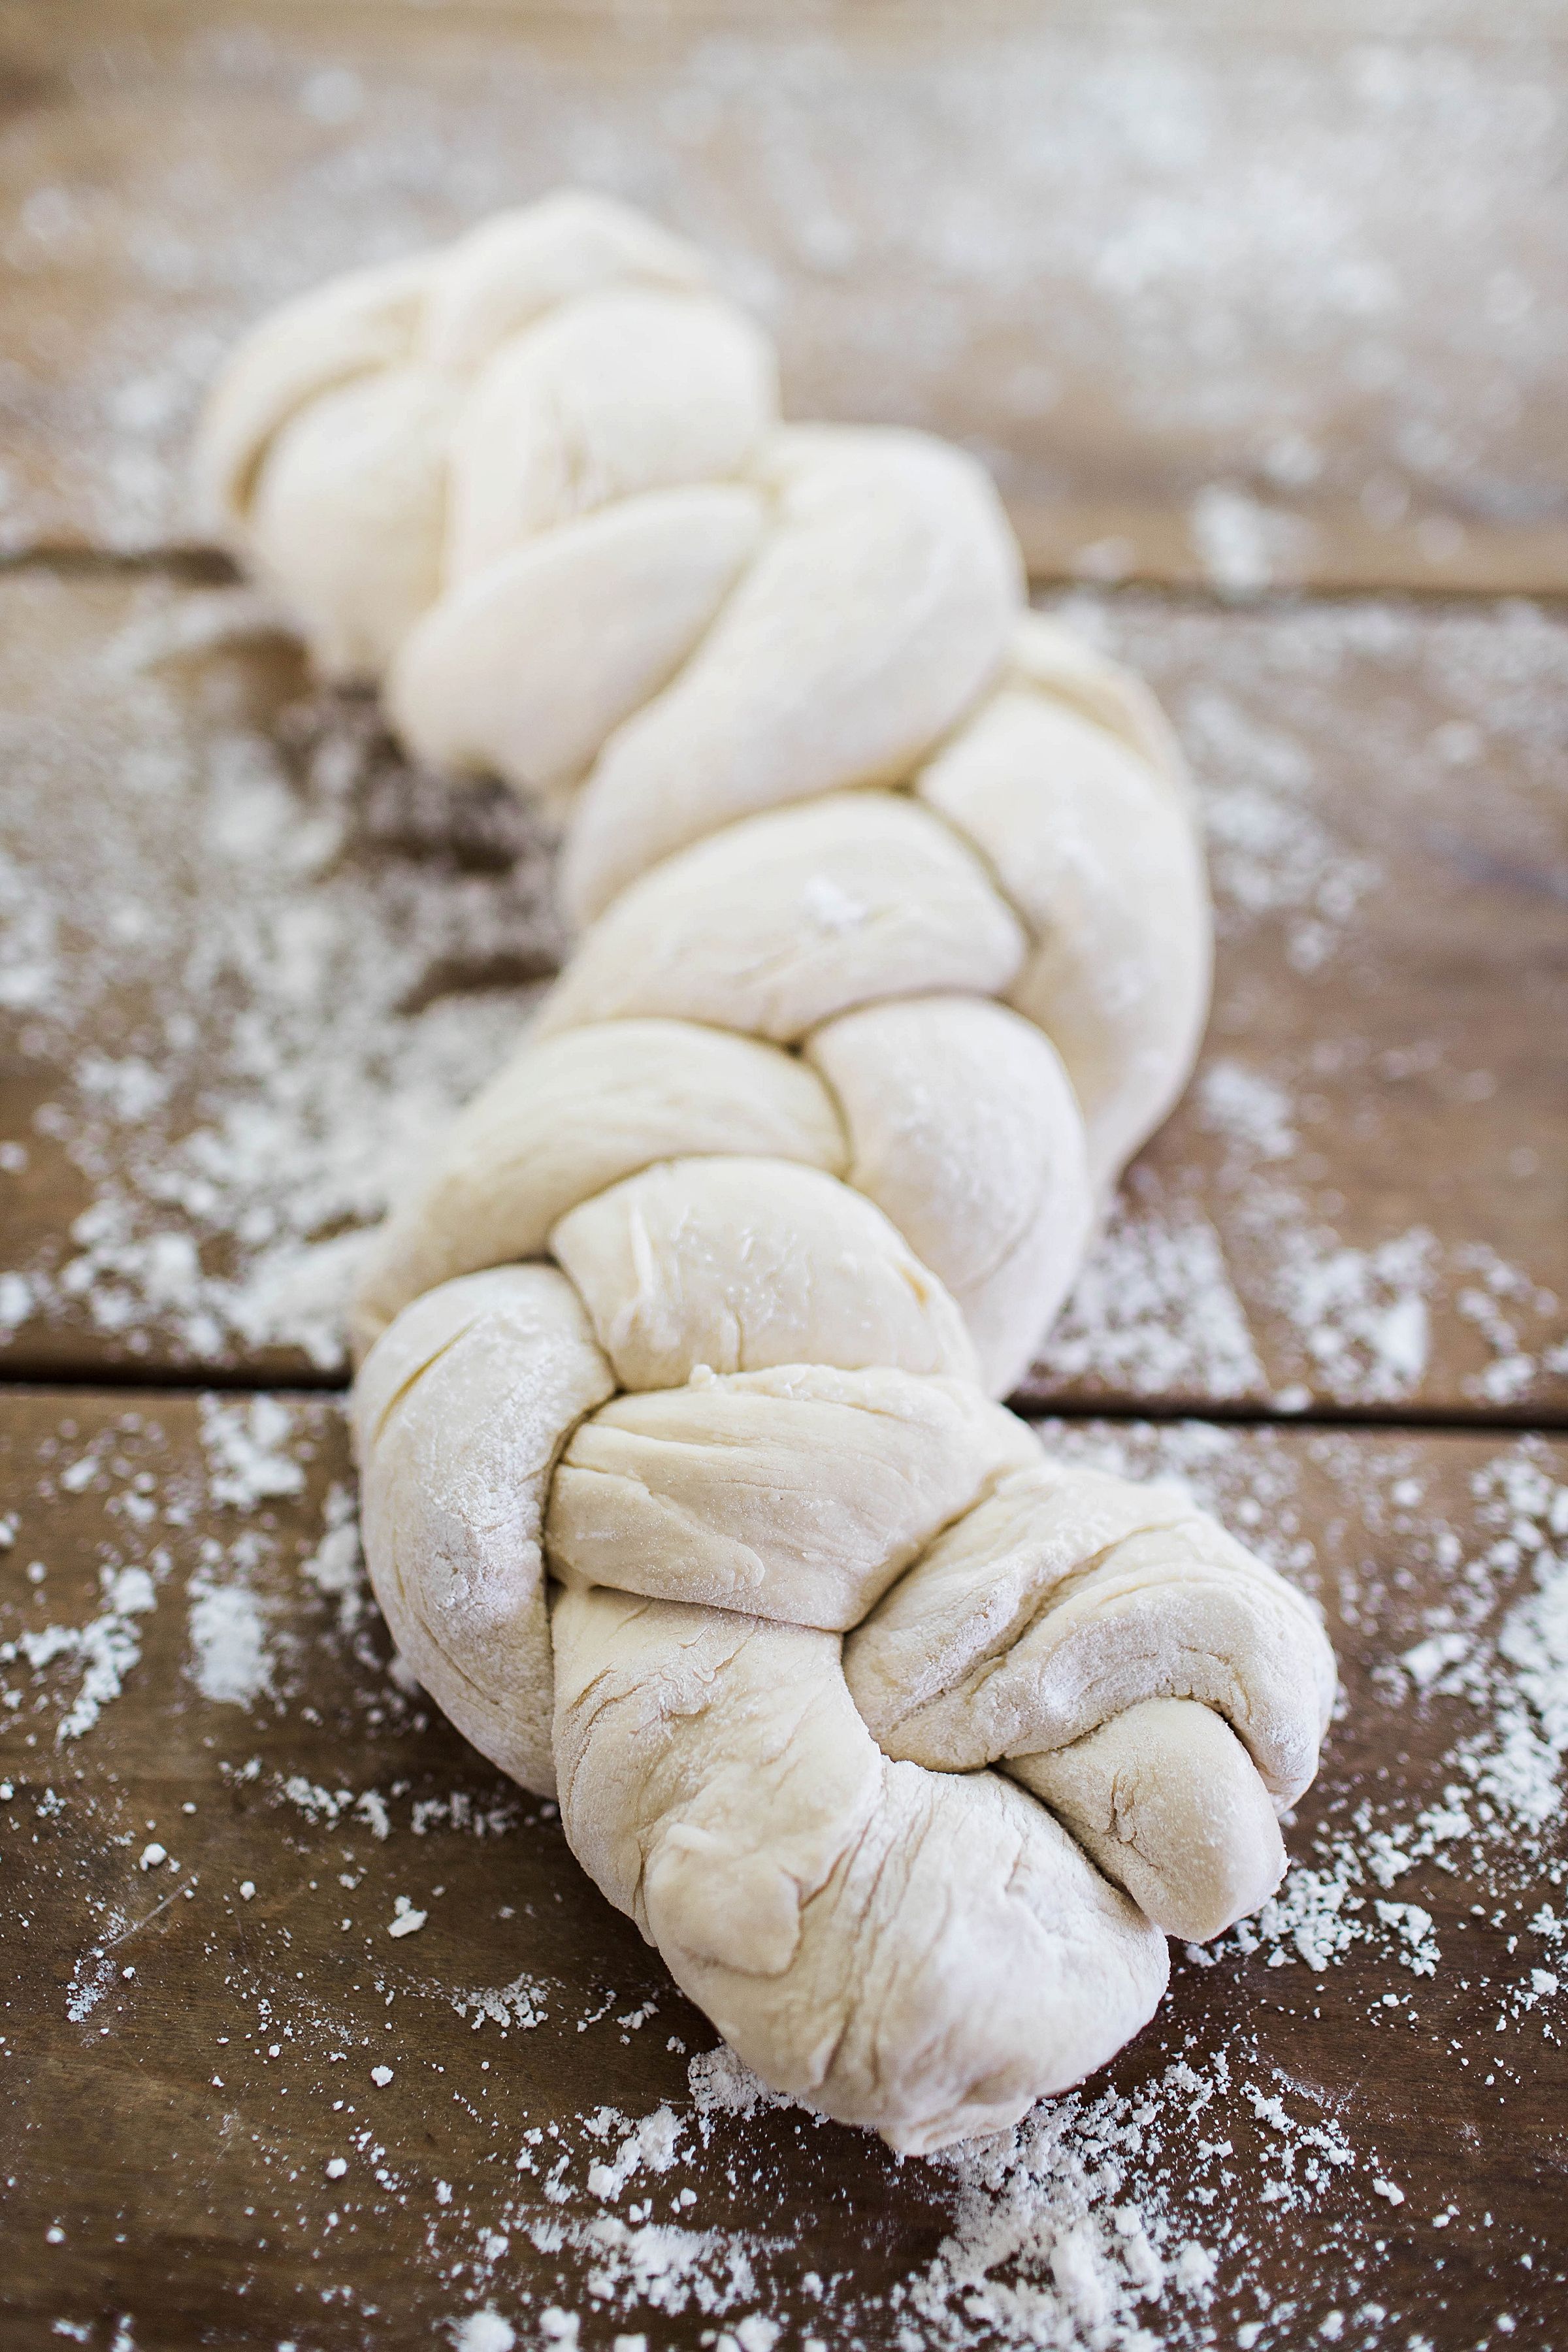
x=251, y=961
x=1354, y=1204
x=1234, y=299
x=1224, y=295
x=197, y=2151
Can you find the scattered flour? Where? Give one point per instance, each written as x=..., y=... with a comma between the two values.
x=653, y=2145
x=1228, y=1268
x=94, y=1973
x=265, y=964
x=1096, y=2220
x=514, y=2007
x=1249, y=1108
x=232, y=1666
x=1155, y=1310
x=106, y=1648
x=1212, y=233
x=350, y=946
x=1363, y=1315
x=247, y=1451
x=1242, y=545
x=483, y=2331
x=724, y=2085
x=336, y=1567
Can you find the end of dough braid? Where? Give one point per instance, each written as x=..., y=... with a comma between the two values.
x=687, y=1492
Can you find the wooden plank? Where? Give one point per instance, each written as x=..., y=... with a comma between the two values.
x=1360, y=1202
x=1164, y=272
x=253, y=962
x=1362, y=2111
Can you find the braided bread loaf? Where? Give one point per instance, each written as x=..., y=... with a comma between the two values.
x=684, y=1492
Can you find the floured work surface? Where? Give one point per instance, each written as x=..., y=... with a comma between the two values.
x=253, y=961
x=348, y=2052
x=1222, y=294
x=317, y=2034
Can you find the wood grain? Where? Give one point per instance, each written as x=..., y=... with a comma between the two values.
x=1355, y=1203
x=253, y=961
x=1231, y=301
x=1223, y=298
x=176, y=2048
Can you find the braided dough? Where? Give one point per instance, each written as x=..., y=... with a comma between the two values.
x=685, y=1492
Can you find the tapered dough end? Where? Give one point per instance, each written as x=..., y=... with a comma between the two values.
x=964, y=1960
x=1038, y=1975
x=735, y=1913
x=1068, y=1597
x=1165, y=1798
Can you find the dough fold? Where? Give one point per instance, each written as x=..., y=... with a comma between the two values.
x=798, y=1493
x=1095, y=852
x=567, y=1118
x=740, y=1264
x=963, y=1127
x=919, y=1952
x=782, y=921
x=876, y=609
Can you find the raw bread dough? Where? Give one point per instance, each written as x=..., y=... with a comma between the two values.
x=535, y=486
x=685, y=1489
x=924, y=1952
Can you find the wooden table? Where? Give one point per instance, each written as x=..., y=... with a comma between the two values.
x=1260, y=326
